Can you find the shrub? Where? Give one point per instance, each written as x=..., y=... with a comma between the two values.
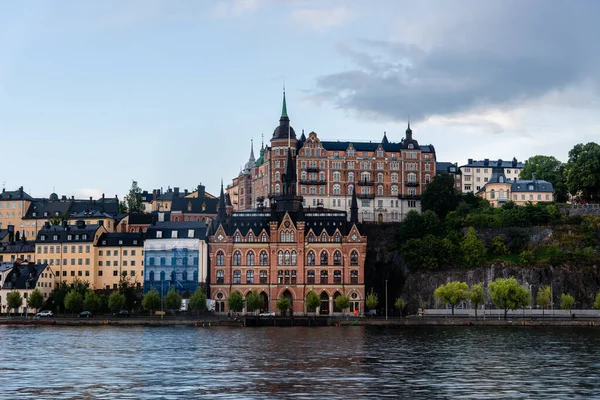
x=498, y=247
x=526, y=258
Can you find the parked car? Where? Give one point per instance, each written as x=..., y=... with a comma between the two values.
x=371, y=313
x=45, y=313
x=122, y=313
x=85, y=314
x=267, y=314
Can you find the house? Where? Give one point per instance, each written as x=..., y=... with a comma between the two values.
x=475, y=174
x=25, y=277
x=119, y=255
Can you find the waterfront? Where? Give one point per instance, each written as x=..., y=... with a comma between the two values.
x=54, y=362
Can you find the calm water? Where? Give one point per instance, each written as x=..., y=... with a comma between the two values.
x=323, y=363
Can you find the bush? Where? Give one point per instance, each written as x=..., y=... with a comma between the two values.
x=556, y=255
x=526, y=258
x=498, y=247
x=517, y=240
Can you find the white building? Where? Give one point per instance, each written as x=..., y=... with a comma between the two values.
x=475, y=174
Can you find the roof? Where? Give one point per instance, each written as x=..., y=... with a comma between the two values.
x=444, y=166
x=23, y=276
x=183, y=229
x=71, y=233
x=369, y=146
x=18, y=194
x=487, y=163
x=17, y=247
x=531, y=186
x=74, y=208
x=195, y=205
x=140, y=219
x=3, y=234
x=108, y=239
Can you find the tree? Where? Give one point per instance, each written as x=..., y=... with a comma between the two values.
x=550, y=169
x=498, y=247
x=56, y=220
x=35, y=299
x=342, y=302
x=567, y=302
x=597, y=301
x=73, y=301
x=372, y=300
x=473, y=249
x=507, y=294
x=198, y=300
x=116, y=301
x=441, y=196
x=583, y=171
x=283, y=304
x=173, y=300
x=312, y=301
x=235, y=301
x=452, y=293
x=92, y=302
x=543, y=297
x=477, y=296
x=14, y=301
x=526, y=257
x=253, y=301
x=400, y=304
x=133, y=199
x=151, y=300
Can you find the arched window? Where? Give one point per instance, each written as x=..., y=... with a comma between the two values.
x=264, y=259
x=263, y=237
x=220, y=258
x=280, y=258
x=184, y=276
x=501, y=193
x=287, y=237
x=324, y=278
x=412, y=178
x=354, y=277
x=311, y=237
x=365, y=177
x=277, y=190
x=350, y=189
x=492, y=194
x=323, y=237
x=277, y=176
x=250, y=237
x=282, y=236
x=293, y=257
x=380, y=177
x=237, y=237
x=237, y=258
x=292, y=236
x=263, y=276
x=287, y=257
x=151, y=276
x=310, y=258
x=337, y=258
x=394, y=190
x=394, y=177
x=310, y=276
x=427, y=178
x=337, y=237
x=237, y=276
x=336, y=189
x=173, y=276
x=250, y=277
x=354, y=258
x=250, y=258
x=380, y=190
x=337, y=276
x=324, y=258
x=350, y=176
x=336, y=176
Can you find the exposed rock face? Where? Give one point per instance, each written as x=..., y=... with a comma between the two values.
x=581, y=283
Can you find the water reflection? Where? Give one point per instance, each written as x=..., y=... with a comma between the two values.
x=340, y=362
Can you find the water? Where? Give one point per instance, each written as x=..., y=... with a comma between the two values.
x=324, y=363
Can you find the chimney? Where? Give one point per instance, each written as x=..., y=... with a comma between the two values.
x=176, y=191
x=533, y=178
x=72, y=197
x=103, y=197
x=185, y=192
x=154, y=195
x=47, y=224
x=486, y=161
x=201, y=191
x=470, y=161
x=65, y=223
x=63, y=198
x=11, y=233
x=500, y=163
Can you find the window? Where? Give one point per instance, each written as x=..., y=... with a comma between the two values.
x=220, y=277
x=115, y=273
x=250, y=277
x=287, y=257
x=293, y=280
x=354, y=277
x=280, y=258
x=237, y=237
x=293, y=262
x=310, y=277
x=337, y=237
x=324, y=258
x=237, y=276
x=323, y=237
x=324, y=278
x=263, y=276
x=264, y=260
x=250, y=258
x=337, y=258
x=337, y=276
x=310, y=258
x=354, y=257
x=237, y=258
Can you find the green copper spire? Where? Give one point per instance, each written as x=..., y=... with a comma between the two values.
x=284, y=108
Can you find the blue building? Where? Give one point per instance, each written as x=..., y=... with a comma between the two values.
x=175, y=255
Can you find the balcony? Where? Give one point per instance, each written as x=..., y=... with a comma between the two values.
x=411, y=184
x=502, y=199
x=365, y=196
x=365, y=183
x=312, y=182
x=409, y=197
x=313, y=169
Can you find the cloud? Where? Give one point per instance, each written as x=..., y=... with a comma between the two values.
x=236, y=8
x=321, y=19
x=473, y=65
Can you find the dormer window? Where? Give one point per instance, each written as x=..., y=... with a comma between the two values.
x=135, y=242
x=57, y=213
x=69, y=237
x=190, y=233
x=120, y=242
x=103, y=242
x=530, y=187
x=411, y=146
x=45, y=213
x=55, y=237
x=173, y=234
x=43, y=238
x=158, y=234
x=34, y=214
x=76, y=237
x=501, y=179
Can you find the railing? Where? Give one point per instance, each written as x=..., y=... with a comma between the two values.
x=409, y=196
x=312, y=182
x=313, y=169
x=365, y=183
x=411, y=184
x=365, y=196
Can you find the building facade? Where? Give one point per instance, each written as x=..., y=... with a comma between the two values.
x=389, y=177
x=118, y=256
x=451, y=169
x=287, y=250
x=24, y=278
x=475, y=174
x=13, y=206
x=175, y=255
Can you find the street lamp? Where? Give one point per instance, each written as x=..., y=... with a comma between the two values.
x=386, y=301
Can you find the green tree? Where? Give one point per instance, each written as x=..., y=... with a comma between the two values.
x=372, y=300
x=473, y=249
x=198, y=300
x=550, y=169
x=173, y=300
x=543, y=298
x=312, y=301
x=452, y=293
x=400, y=304
x=92, y=302
x=56, y=220
x=73, y=301
x=14, y=301
x=116, y=301
x=477, y=296
x=235, y=301
x=507, y=294
x=597, y=301
x=151, y=301
x=566, y=302
x=498, y=247
x=342, y=302
x=441, y=196
x=526, y=257
x=253, y=301
x=283, y=304
x=133, y=199
x=35, y=299
x=583, y=171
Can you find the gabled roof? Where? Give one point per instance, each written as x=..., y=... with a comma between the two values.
x=183, y=229
x=493, y=163
x=44, y=208
x=18, y=194
x=77, y=233
x=23, y=276
x=108, y=239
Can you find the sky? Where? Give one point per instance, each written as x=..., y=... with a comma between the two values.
x=96, y=94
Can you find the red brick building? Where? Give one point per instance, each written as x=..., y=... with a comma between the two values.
x=286, y=250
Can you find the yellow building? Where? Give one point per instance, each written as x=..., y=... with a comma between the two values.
x=119, y=255
x=69, y=250
x=13, y=206
x=500, y=190
x=24, y=278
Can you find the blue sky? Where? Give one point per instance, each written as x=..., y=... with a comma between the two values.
x=95, y=94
